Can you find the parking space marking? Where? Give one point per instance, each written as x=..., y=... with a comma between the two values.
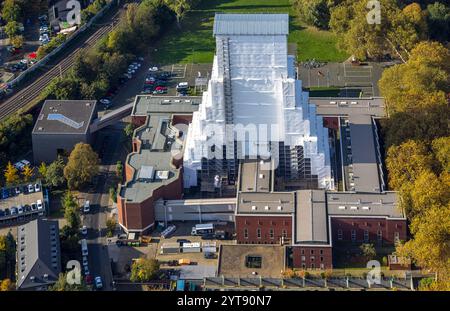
x=179, y=71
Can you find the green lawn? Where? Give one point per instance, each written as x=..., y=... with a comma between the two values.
x=194, y=42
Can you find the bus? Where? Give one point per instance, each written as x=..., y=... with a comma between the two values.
x=202, y=229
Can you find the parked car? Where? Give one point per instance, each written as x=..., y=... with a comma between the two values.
x=86, y=270
x=37, y=187
x=88, y=279
x=5, y=193
x=17, y=190
x=105, y=102
x=7, y=212
x=19, y=209
x=30, y=188
x=98, y=282
x=183, y=241
x=27, y=208
x=209, y=255
x=153, y=69
x=33, y=207
x=14, y=210
x=85, y=261
x=39, y=204
x=86, y=207
x=84, y=230
x=2, y=213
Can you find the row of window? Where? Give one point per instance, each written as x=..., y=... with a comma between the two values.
x=311, y=251
x=271, y=233
x=271, y=222
x=366, y=235
x=312, y=258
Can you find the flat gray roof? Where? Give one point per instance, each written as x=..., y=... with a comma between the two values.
x=365, y=166
x=364, y=204
x=65, y=117
x=148, y=104
x=332, y=106
x=158, y=140
x=38, y=253
x=311, y=224
x=255, y=175
x=251, y=24
x=156, y=153
x=265, y=203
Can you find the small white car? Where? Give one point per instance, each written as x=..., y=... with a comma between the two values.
x=153, y=69
x=98, y=282
x=37, y=187
x=39, y=205
x=30, y=188
x=20, y=209
x=86, y=270
x=84, y=230
x=87, y=207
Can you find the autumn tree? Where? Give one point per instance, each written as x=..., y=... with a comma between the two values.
x=368, y=251
x=71, y=211
x=421, y=82
x=27, y=173
x=62, y=284
x=82, y=166
x=11, y=174
x=406, y=162
x=111, y=224
x=42, y=170
x=441, y=150
x=7, y=285
x=54, y=174
x=313, y=12
x=429, y=247
x=144, y=269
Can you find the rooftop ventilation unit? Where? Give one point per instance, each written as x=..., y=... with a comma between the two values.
x=279, y=207
x=267, y=207
x=254, y=208
x=342, y=207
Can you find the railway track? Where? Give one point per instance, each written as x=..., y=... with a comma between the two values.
x=31, y=93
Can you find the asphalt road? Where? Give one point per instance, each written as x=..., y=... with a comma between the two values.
x=95, y=220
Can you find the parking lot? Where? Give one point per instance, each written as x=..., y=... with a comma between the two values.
x=20, y=203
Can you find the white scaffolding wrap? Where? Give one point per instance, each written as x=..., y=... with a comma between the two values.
x=263, y=95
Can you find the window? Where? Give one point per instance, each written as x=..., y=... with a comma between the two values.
x=303, y=258
x=321, y=252
x=380, y=235
x=284, y=234
x=353, y=235
x=312, y=252
x=271, y=234
x=303, y=251
x=339, y=234
x=313, y=266
x=258, y=233
x=321, y=258
x=396, y=237
x=245, y=233
x=366, y=235
x=303, y=266
x=312, y=258
x=253, y=262
x=322, y=266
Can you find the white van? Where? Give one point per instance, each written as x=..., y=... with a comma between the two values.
x=84, y=248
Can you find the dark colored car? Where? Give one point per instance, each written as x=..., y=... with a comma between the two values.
x=183, y=241
x=7, y=212
x=210, y=255
x=2, y=213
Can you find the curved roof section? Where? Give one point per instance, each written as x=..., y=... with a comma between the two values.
x=251, y=24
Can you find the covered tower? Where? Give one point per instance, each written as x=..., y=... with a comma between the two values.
x=255, y=108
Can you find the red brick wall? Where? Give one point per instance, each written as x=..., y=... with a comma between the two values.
x=265, y=223
x=320, y=258
x=138, y=120
x=387, y=227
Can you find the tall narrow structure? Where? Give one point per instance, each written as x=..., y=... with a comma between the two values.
x=255, y=108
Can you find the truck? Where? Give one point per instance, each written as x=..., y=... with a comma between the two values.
x=202, y=229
